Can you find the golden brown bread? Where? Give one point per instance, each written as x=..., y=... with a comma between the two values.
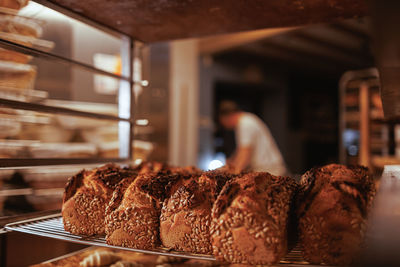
x=99, y=258
x=186, y=216
x=133, y=213
x=334, y=201
x=86, y=196
x=14, y=4
x=9, y=55
x=250, y=219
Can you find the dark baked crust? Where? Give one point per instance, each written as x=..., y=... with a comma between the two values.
x=186, y=216
x=152, y=166
x=86, y=196
x=188, y=170
x=72, y=185
x=250, y=218
x=333, y=205
x=133, y=213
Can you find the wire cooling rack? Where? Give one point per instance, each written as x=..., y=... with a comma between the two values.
x=52, y=226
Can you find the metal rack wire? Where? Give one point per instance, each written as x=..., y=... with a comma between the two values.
x=52, y=226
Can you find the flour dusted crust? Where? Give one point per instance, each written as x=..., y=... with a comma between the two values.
x=86, y=196
x=186, y=216
x=133, y=213
x=334, y=201
x=250, y=219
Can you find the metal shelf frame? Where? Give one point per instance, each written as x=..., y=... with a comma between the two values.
x=6, y=44
x=57, y=110
x=125, y=95
x=31, y=162
x=51, y=226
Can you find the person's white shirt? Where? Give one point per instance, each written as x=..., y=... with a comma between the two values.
x=252, y=132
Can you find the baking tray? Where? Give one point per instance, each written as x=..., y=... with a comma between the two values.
x=52, y=226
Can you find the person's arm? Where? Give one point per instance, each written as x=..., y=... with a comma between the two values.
x=242, y=159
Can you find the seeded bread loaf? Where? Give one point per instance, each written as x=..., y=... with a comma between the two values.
x=86, y=196
x=186, y=216
x=333, y=206
x=134, y=211
x=250, y=219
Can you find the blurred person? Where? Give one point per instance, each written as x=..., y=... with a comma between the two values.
x=256, y=149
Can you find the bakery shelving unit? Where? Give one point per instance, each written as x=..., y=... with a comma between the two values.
x=125, y=101
x=124, y=121
x=21, y=156
x=366, y=138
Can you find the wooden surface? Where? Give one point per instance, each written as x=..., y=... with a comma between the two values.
x=385, y=14
x=383, y=236
x=364, y=158
x=158, y=20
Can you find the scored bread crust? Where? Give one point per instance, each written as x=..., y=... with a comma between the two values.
x=186, y=216
x=333, y=205
x=133, y=213
x=184, y=220
x=250, y=219
x=86, y=196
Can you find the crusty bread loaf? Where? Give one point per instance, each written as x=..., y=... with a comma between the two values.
x=186, y=216
x=99, y=258
x=333, y=206
x=14, y=4
x=86, y=196
x=250, y=218
x=133, y=213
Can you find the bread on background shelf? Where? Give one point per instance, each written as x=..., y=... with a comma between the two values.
x=14, y=4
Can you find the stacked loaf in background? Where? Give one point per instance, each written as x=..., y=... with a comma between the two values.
x=239, y=218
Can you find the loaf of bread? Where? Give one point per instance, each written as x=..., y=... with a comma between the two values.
x=99, y=258
x=333, y=206
x=14, y=4
x=133, y=214
x=9, y=55
x=186, y=216
x=250, y=219
x=127, y=264
x=86, y=196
